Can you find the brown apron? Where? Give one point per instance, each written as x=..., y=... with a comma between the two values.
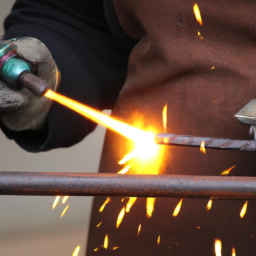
x=172, y=64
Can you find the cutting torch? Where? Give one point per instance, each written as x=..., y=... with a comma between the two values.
x=17, y=72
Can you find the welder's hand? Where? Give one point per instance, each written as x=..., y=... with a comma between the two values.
x=20, y=109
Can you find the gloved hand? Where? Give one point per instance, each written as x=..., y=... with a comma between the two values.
x=20, y=109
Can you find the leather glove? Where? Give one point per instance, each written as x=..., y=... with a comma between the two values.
x=20, y=109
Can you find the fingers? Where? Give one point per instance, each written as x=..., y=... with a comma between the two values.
x=10, y=99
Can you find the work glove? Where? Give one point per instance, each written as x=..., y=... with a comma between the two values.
x=20, y=109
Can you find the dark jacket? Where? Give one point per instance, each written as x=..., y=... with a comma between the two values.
x=171, y=64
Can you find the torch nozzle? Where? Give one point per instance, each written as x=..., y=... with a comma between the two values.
x=32, y=83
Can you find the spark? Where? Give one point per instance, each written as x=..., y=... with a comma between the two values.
x=150, y=206
x=130, y=203
x=202, y=148
x=96, y=249
x=120, y=217
x=213, y=67
x=177, y=208
x=124, y=170
x=64, y=200
x=76, y=251
x=197, y=14
x=158, y=240
x=233, y=251
x=122, y=200
x=209, y=205
x=115, y=247
x=104, y=204
x=55, y=202
x=227, y=172
x=244, y=209
x=139, y=229
x=199, y=35
x=218, y=247
x=165, y=117
x=64, y=211
x=105, y=244
x=129, y=156
x=99, y=224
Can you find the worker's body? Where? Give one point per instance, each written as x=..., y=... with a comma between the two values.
x=170, y=64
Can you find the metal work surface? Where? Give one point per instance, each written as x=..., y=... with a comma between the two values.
x=87, y=184
x=194, y=141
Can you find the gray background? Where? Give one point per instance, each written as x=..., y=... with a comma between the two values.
x=28, y=225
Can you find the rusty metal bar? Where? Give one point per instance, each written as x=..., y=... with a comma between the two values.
x=195, y=141
x=107, y=184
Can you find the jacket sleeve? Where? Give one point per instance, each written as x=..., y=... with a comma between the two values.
x=92, y=61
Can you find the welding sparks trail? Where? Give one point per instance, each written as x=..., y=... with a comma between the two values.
x=124, y=170
x=177, y=208
x=64, y=211
x=227, y=172
x=158, y=240
x=104, y=204
x=218, y=247
x=139, y=229
x=197, y=14
x=105, y=244
x=244, y=209
x=99, y=224
x=202, y=148
x=150, y=206
x=130, y=203
x=76, y=251
x=120, y=217
x=64, y=200
x=209, y=205
x=115, y=247
x=55, y=202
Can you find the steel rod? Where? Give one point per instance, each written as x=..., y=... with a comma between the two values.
x=195, y=141
x=107, y=184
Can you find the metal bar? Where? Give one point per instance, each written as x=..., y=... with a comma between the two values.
x=194, y=141
x=107, y=184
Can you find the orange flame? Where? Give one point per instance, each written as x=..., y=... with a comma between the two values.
x=158, y=240
x=124, y=170
x=233, y=252
x=99, y=224
x=209, y=205
x=202, y=148
x=120, y=217
x=218, y=247
x=150, y=206
x=104, y=204
x=76, y=251
x=105, y=244
x=64, y=200
x=244, y=209
x=177, y=208
x=130, y=132
x=55, y=202
x=139, y=229
x=227, y=172
x=64, y=211
x=130, y=203
x=146, y=148
x=115, y=247
x=197, y=14
x=165, y=117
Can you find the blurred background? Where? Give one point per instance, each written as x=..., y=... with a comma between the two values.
x=28, y=225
